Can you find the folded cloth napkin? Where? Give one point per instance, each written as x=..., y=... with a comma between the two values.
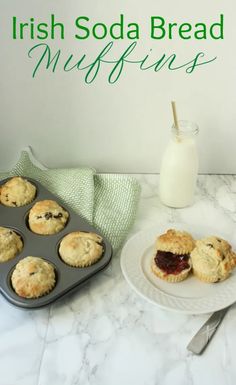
x=108, y=201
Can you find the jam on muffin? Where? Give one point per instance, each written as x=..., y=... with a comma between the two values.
x=172, y=261
x=47, y=217
x=17, y=192
x=212, y=259
x=81, y=249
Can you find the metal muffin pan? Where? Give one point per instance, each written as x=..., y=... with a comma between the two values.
x=46, y=246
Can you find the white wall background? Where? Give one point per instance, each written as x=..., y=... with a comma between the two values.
x=122, y=127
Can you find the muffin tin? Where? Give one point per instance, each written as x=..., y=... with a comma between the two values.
x=46, y=246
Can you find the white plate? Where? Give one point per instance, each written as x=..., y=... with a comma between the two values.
x=190, y=296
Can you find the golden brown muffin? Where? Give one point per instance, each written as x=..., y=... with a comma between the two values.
x=10, y=244
x=212, y=259
x=171, y=261
x=17, y=192
x=47, y=217
x=81, y=249
x=177, y=242
x=33, y=277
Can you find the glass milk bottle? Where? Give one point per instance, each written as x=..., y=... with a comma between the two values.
x=179, y=166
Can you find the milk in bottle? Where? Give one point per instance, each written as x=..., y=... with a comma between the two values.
x=179, y=166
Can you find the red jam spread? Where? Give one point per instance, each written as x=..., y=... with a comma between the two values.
x=171, y=263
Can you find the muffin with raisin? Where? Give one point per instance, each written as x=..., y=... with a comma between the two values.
x=10, y=244
x=81, y=249
x=213, y=259
x=33, y=277
x=17, y=192
x=47, y=217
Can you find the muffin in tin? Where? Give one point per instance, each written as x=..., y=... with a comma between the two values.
x=81, y=249
x=47, y=217
x=171, y=261
x=212, y=259
x=17, y=192
x=10, y=244
x=33, y=277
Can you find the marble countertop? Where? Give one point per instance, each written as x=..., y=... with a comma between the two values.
x=105, y=334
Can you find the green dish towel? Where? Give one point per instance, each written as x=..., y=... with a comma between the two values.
x=107, y=201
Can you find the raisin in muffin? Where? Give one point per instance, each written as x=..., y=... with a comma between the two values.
x=33, y=277
x=47, y=217
x=17, y=192
x=10, y=244
x=172, y=261
x=81, y=249
x=212, y=259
